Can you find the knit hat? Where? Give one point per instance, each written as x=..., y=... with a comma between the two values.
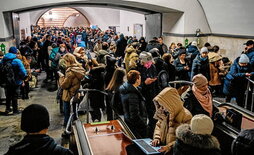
x=203, y=49
x=199, y=80
x=34, y=118
x=13, y=50
x=145, y=56
x=244, y=59
x=194, y=43
x=201, y=124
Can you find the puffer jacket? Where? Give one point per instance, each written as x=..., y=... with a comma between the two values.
x=235, y=81
x=54, y=57
x=200, y=66
x=71, y=82
x=215, y=76
x=18, y=67
x=189, y=143
x=134, y=109
x=165, y=128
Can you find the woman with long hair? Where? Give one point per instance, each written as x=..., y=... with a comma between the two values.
x=114, y=99
x=70, y=82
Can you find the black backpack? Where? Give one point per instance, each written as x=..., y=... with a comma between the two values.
x=163, y=79
x=7, y=78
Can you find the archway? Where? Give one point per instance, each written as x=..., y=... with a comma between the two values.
x=62, y=17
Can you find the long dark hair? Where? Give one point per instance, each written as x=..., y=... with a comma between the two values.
x=117, y=79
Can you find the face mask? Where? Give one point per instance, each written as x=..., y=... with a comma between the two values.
x=148, y=64
x=62, y=49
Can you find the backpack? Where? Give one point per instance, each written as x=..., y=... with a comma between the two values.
x=163, y=79
x=7, y=78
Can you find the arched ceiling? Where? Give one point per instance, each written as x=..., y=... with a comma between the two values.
x=58, y=16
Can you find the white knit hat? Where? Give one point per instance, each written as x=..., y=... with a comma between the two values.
x=194, y=43
x=201, y=124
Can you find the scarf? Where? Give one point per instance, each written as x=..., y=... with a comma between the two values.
x=204, y=98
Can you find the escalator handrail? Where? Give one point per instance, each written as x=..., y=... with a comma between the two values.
x=82, y=137
x=243, y=110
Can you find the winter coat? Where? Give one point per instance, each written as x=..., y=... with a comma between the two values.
x=200, y=66
x=165, y=128
x=120, y=46
x=250, y=54
x=214, y=74
x=37, y=145
x=134, y=109
x=192, y=104
x=189, y=143
x=181, y=73
x=235, y=82
x=18, y=67
x=127, y=58
x=71, y=82
x=154, y=44
x=171, y=70
x=54, y=57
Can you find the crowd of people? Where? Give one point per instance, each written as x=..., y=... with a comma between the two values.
x=135, y=74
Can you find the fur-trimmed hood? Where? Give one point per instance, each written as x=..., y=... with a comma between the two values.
x=185, y=134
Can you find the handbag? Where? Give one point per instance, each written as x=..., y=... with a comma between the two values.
x=234, y=118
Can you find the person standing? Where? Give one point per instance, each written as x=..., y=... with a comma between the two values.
x=134, y=105
x=12, y=89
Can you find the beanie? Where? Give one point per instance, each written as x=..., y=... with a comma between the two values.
x=194, y=43
x=203, y=49
x=145, y=56
x=201, y=124
x=13, y=50
x=199, y=80
x=34, y=118
x=244, y=59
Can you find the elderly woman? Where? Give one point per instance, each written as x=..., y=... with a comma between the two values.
x=170, y=113
x=70, y=82
x=198, y=100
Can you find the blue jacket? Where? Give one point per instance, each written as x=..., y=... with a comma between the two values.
x=200, y=66
x=54, y=57
x=250, y=55
x=18, y=67
x=235, y=81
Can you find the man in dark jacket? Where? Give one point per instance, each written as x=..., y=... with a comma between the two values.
x=45, y=55
x=201, y=64
x=35, y=122
x=235, y=82
x=249, y=51
x=19, y=75
x=154, y=43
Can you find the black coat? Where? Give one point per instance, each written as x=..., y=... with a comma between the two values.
x=182, y=74
x=37, y=145
x=134, y=109
x=189, y=143
x=200, y=66
x=191, y=103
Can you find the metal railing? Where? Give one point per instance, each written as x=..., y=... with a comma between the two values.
x=250, y=89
